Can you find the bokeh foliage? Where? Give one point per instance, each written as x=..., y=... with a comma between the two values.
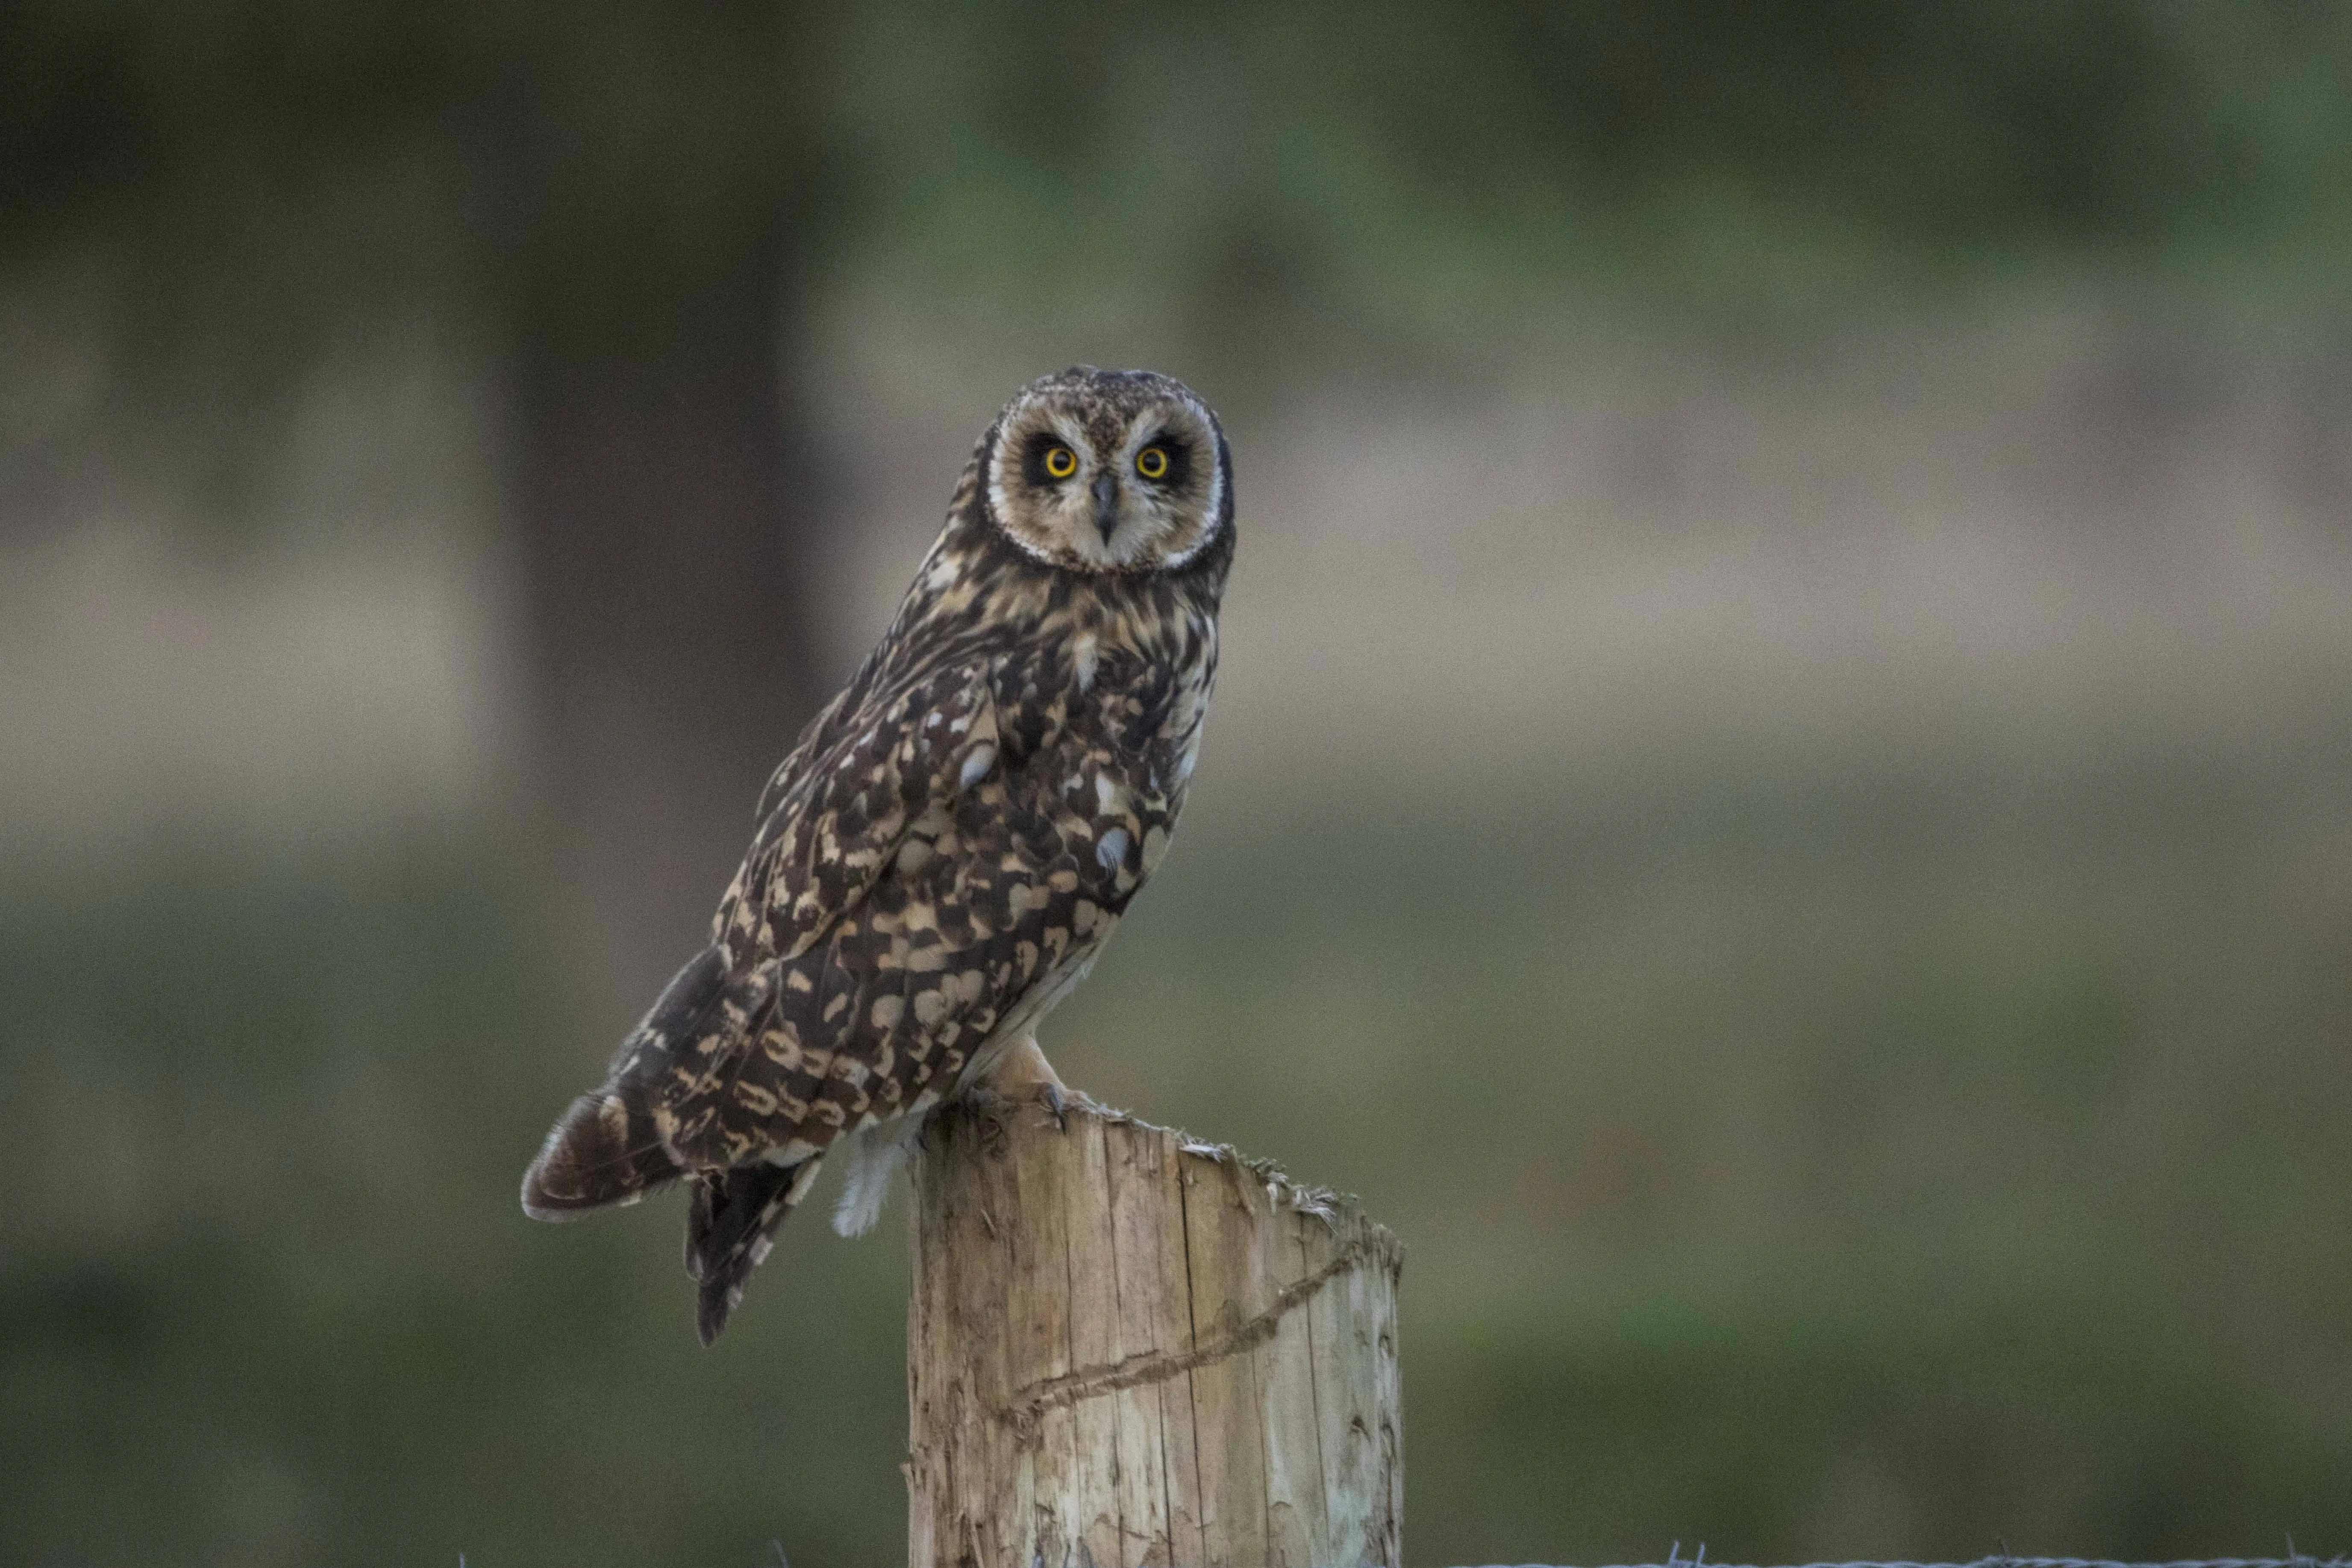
x=1777, y=1171
x=235, y=182
x=1919, y=1152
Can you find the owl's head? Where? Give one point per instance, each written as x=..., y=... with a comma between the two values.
x=1108, y=470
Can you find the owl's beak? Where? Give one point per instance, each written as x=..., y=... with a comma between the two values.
x=1107, y=504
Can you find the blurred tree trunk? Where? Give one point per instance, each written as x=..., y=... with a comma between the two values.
x=649, y=194
x=662, y=530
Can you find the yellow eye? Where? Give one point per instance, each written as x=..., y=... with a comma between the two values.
x=1153, y=462
x=1061, y=462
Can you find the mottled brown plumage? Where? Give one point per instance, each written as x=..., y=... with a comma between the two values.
x=953, y=838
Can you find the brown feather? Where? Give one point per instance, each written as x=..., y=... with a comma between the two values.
x=947, y=846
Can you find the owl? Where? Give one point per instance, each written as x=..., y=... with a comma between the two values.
x=950, y=843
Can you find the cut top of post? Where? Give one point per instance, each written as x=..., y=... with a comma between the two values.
x=1127, y=1346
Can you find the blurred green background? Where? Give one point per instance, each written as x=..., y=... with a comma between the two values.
x=1780, y=802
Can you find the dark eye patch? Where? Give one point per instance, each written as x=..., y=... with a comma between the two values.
x=1033, y=459
x=1180, y=460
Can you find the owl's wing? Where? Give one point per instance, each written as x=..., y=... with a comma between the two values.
x=834, y=821
x=838, y=809
x=992, y=905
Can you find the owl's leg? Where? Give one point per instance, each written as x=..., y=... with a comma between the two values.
x=1024, y=1073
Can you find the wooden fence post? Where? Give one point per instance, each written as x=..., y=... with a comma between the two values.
x=1124, y=1347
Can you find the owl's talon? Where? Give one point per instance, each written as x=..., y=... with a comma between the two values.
x=1025, y=1074
x=991, y=1115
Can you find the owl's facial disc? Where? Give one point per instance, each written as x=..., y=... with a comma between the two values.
x=1107, y=472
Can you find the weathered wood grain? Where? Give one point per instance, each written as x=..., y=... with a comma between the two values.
x=1130, y=1350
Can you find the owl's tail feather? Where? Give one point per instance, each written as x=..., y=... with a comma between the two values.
x=730, y=1227
x=606, y=1148
x=604, y=1152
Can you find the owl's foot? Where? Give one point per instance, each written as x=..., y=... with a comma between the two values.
x=1025, y=1074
